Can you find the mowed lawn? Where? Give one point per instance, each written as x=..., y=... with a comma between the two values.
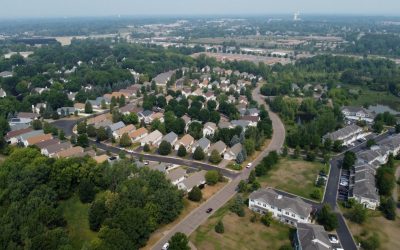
x=239, y=233
x=387, y=230
x=295, y=176
x=76, y=214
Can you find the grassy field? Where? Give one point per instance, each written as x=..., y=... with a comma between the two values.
x=239, y=233
x=294, y=176
x=76, y=214
x=374, y=97
x=387, y=230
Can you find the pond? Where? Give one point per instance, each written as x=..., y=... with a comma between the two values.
x=379, y=109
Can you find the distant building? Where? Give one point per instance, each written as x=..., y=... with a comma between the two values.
x=311, y=237
x=163, y=78
x=358, y=114
x=346, y=135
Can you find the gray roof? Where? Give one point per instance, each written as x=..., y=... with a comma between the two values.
x=5, y=73
x=176, y=174
x=146, y=113
x=163, y=78
x=203, y=143
x=353, y=110
x=162, y=167
x=313, y=237
x=104, y=124
x=251, y=111
x=171, y=137
x=115, y=126
x=364, y=183
x=241, y=123
x=45, y=144
x=55, y=148
x=342, y=133
x=195, y=179
x=30, y=134
x=272, y=198
x=70, y=110
x=97, y=102
x=220, y=146
x=236, y=149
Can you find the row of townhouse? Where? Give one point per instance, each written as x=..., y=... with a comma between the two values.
x=346, y=135
x=48, y=146
x=295, y=212
x=364, y=188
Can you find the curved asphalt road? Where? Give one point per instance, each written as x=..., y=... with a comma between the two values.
x=198, y=216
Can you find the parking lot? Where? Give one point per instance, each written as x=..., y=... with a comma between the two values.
x=345, y=184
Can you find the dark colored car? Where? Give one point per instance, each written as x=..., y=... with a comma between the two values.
x=209, y=210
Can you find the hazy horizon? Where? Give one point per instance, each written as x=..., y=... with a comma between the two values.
x=168, y=8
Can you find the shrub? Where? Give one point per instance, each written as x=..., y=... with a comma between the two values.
x=164, y=148
x=146, y=148
x=195, y=194
x=182, y=151
x=198, y=154
x=219, y=227
x=266, y=219
x=212, y=177
x=316, y=194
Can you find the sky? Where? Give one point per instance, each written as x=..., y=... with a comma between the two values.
x=84, y=8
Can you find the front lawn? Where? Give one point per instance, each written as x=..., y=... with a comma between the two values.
x=295, y=176
x=240, y=233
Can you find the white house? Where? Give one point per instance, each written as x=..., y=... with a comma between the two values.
x=176, y=175
x=285, y=209
x=358, y=114
x=233, y=152
x=152, y=139
x=347, y=135
x=186, y=141
x=209, y=128
x=197, y=179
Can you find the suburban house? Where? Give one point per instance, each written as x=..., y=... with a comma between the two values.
x=171, y=138
x=19, y=121
x=101, y=158
x=219, y=146
x=152, y=139
x=66, y=111
x=23, y=137
x=163, y=78
x=225, y=124
x=138, y=134
x=157, y=116
x=346, y=135
x=114, y=127
x=47, y=143
x=53, y=149
x=195, y=180
x=36, y=139
x=358, y=114
x=103, y=124
x=209, y=128
x=243, y=123
x=127, y=129
x=38, y=107
x=311, y=237
x=97, y=119
x=233, y=152
x=252, y=119
x=2, y=93
x=145, y=116
x=96, y=104
x=80, y=107
x=12, y=136
x=70, y=152
x=250, y=112
x=286, y=209
x=186, y=141
x=176, y=175
x=203, y=143
x=6, y=74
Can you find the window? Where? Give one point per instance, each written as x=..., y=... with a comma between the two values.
x=272, y=207
x=287, y=213
x=293, y=215
x=280, y=210
x=264, y=205
x=302, y=218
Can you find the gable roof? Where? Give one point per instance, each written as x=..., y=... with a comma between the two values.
x=45, y=144
x=195, y=179
x=70, y=152
x=170, y=137
x=15, y=133
x=39, y=138
x=115, y=126
x=313, y=237
x=203, y=143
x=271, y=197
x=176, y=174
x=138, y=132
x=54, y=148
x=220, y=146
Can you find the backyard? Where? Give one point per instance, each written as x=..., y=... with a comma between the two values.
x=240, y=233
x=295, y=176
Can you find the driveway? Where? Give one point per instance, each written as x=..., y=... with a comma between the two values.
x=198, y=216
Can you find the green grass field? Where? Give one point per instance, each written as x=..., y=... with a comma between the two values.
x=239, y=233
x=295, y=176
x=374, y=97
x=76, y=214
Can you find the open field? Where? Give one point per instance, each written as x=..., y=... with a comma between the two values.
x=374, y=97
x=76, y=214
x=239, y=233
x=208, y=191
x=387, y=230
x=295, y=176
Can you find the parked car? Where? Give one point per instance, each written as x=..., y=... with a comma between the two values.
x=344, y=183
x=333, y=239
x=209, y=210
x=165, y=246
x=249, y=165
